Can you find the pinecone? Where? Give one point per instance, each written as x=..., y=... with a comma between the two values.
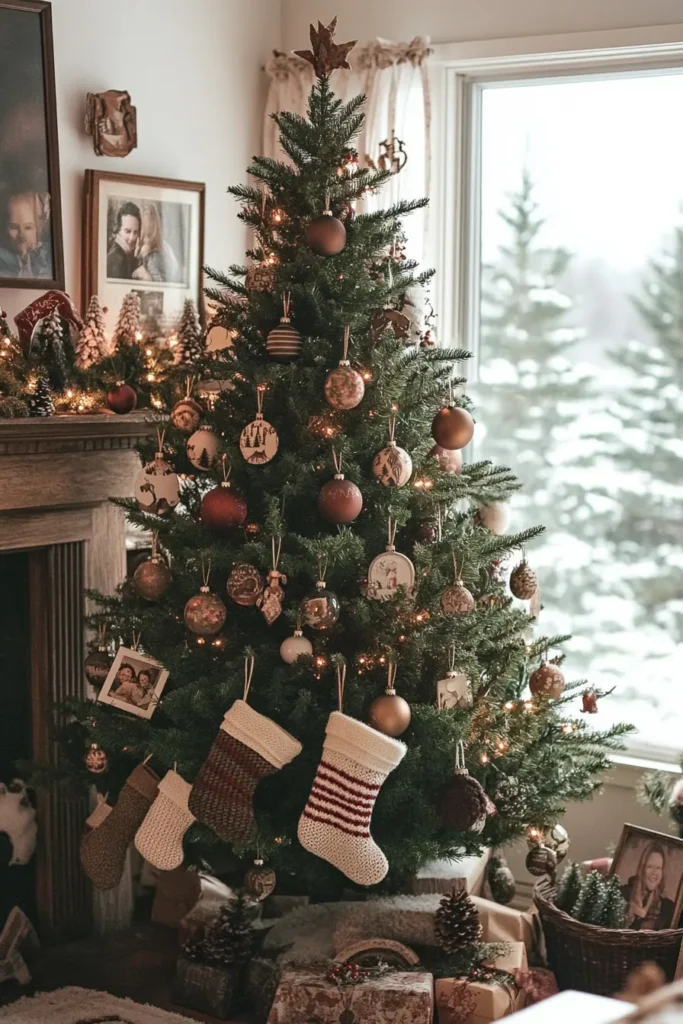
x=457, y=922
x=523, y=582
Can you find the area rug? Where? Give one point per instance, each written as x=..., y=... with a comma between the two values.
x=84, y=1006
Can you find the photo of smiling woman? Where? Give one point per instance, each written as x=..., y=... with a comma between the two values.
x=650, y=867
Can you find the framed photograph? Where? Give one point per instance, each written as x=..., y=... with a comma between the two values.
x=145, y=235
x=134, y=683
x=31, y=254
x=649, y=866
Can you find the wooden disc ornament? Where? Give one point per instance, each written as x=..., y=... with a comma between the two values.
x=320, y=609
x=392, y=466
x=222, y=508
x=245, y=584
x=452, y=427
x=457, y=599
x=186, y=415
x=326, y=235
x=390, y=713
x=547, y=681
x=450, y=462
x=157, y=489
x=284, y=341
x=96, y=760
x=205, y=612
x=122, y=398
x=202, y=449
x=292, y=647
x=340, y=501
x=259, y=440
x=344, y=387
x=96, y=666
x=462, y=802
x=455, y=691
x=523, y=582
x=389, y=571
x=260, y=880
x=152, y=578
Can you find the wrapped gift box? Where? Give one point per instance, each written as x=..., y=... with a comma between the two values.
x=459, y=1001
x=465, y=874
x=263, y=976
x=395, y=998
x=212, y=990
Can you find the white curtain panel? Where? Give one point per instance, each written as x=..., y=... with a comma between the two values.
x=394, y=79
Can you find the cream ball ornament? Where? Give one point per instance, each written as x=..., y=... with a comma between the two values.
x=494, y=517
x=292, y=647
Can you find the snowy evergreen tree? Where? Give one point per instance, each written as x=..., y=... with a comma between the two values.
x=40, y=401
x=92, y=342
x=190, y=345
x=51, y=349
x=569, y=887
x=129, y=322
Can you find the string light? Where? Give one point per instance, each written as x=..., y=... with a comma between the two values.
x=277, y=216
x=201, y=640
x=534, y=833
x=528, y=705
x=173, y=341
x=484, y=758
x=366, y=375
x=218, y=642
x=568, y=727
x=509, y=705
x=139, y=336
x=148, y=352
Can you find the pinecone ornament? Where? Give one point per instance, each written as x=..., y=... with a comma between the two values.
x=456, y=922
x=523, y=582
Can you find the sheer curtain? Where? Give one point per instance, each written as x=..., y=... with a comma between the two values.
x=394, y=79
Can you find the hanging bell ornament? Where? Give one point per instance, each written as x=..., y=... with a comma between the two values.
x=452, y=427
x=326, y=235
x=284, y=341
x=344, y=387
x=205, y=613
x=96, y=760
x=462, y=802
x=340, y=501
x=292, y=647
x=260, y=880
x=186, y=415
x=259, y=440
x=157, y=490
x=523, y=582
x=541, y=860
x=152, y=578
x=202, y=448
x=320, y=610
x=96, y=666
x=547, y=681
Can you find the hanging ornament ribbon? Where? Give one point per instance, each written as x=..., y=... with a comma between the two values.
x=226, y=469
x=270, y=600
x=136, y=640
x=248, y=674
x=189, y=386
x=390, y=713
x=391, y=675
x=439, y=522
x=155, y=543
x=206, y=575
x=263, y=202
x=322, y=569
x=341, y=683
x=161, y=434
x=451, y=658
x=101, y=635
x=460, y=766
x=338, y=460
x=456, y=599
x=392, y=428
x=286, y=306
x=347, y=338
x=391, y=533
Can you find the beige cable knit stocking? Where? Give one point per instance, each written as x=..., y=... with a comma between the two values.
x=160, y=837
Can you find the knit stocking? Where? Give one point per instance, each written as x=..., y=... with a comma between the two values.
x=160, y=837
x=335, y=824
x=103, y=850
x=248, y=747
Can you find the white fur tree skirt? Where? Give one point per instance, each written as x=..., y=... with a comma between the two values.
x=84, y=1006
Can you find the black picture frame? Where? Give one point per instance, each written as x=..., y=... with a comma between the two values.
x=45, y=144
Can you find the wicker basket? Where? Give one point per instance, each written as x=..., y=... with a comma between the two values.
x=598, y=960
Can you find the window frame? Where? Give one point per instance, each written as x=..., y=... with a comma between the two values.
x=459, y=73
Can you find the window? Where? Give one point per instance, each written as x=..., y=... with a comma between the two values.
x=569, y=268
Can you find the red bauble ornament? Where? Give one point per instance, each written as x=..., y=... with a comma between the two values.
x=547, y=681
x=222, y=509
x=340, y=500
x=121, y=398
x=452, y=427
x=326, y=235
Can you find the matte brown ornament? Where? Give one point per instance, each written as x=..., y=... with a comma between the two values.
x=152, y=578
x=389, y=713
x=449, y=461
x=344, y=387
x=457, y=599
x=221, y=509
x=547, y=681
x=452, y=427
x=96, y=760
x=245, y=584
x=186, y=415
x=122, y=398
x=97, y=665
x=541, y=860
x=260, y=880
x=326, y=235
x=523, y=582
x=204, y=613
x=462, y=802
x=340, y=501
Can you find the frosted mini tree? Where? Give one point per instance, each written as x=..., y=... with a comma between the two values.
x=190, y=343
x=40, y=401
x=129, y=323
x=92, y=342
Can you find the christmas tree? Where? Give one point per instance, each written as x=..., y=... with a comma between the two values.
x=52, y=350
x=40, y=401
x=384, y=571
x=190, y=344
x=92, y=342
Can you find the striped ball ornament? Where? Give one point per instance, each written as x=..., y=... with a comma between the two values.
x=284, y=342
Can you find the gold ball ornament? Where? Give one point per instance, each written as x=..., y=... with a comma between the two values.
x=245, y=584
x=156, y=487
x=96, y=666
x=449, y=461
x=283, y=343
x=152, y=578
x=457, y=599
x=541, y=860
x=523, y=582
x=389, y=713
x=452, y=427
x=344, y=387
x=96, y=760
x=547, y=681
x=326, y=235
x=205, y=613
x=392, y=466
x=202, y=449
x=260, y=880
x=186, y=415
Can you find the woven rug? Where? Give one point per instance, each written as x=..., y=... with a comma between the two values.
x=84, y=1006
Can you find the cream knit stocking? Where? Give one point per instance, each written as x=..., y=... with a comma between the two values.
x=160, y=837
x=335, y=824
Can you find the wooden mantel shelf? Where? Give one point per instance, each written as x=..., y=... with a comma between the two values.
x=52, y=434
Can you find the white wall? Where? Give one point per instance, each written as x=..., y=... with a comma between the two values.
x=458, y=20
x=193, y=69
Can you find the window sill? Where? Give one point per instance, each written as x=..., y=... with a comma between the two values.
x=627, y=770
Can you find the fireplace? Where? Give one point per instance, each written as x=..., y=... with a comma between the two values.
x=59, y=535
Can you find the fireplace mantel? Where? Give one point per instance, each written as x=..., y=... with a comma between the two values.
x=105, y=432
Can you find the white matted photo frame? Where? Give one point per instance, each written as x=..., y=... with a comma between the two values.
x=134, y=683
x=143, y=234
x=649, y=866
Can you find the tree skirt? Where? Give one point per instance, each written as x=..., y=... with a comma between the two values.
x=84, y=1006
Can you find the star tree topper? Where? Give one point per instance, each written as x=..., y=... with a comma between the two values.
x=325, y=55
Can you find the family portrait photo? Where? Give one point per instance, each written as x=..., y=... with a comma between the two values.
x=134, y=683
x=30, y=218
x=147, y=235
x=649, y=866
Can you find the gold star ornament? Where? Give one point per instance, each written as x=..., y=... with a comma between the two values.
x=325, y=55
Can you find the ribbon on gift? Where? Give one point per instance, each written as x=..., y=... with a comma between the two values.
x=461, y=1001
x=537, y=983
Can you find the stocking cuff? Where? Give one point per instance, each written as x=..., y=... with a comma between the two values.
x=362, y=743
x=175, y=788
x=144, y=781
x=260, y=734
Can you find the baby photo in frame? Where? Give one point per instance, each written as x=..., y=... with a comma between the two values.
x=134, y=683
